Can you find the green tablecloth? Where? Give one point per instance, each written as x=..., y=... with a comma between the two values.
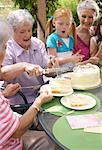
x=76, y=139
x=55, y=107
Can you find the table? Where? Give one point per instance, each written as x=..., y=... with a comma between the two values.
x=47, y=120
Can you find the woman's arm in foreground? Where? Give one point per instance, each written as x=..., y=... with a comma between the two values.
x=27, y=119
x=10, y=72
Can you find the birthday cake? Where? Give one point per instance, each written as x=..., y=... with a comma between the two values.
x=85, y=76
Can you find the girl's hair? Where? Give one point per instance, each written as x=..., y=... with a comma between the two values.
x=49, y=27
x=98, y=32
x=88, y=4
x=18, y=17
x=61, y=12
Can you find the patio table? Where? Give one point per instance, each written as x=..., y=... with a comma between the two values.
x=47, y=119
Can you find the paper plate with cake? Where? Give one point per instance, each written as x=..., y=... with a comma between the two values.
x=79, y=101
x=85, y=77
x=59, y=86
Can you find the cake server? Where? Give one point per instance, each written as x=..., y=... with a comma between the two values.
x=59, y=70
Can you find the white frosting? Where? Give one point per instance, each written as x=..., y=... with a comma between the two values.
x=85, y=69
x=86, y=76
x=61, y=85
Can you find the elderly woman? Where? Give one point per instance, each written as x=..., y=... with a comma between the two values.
x=25, y=48
x=87, y=11
x=13, y=128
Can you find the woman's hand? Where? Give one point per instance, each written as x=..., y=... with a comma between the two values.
x=94, y=60
x=77, y=57
x=33, y=70
x=53, y=62
x=11, y=89
x=44, y=97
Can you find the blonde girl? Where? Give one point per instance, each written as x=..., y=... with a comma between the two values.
x=60, y=43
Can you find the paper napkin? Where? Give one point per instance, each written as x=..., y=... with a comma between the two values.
x=97, y=129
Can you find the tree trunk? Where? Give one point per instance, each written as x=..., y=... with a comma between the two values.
x=41, y=4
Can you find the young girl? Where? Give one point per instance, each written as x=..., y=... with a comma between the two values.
x=59, y=43
x=96, y=41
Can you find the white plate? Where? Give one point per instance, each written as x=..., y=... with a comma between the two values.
x=46, y=87
x=88, y=100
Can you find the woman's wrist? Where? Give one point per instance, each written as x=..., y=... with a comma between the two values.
x=5, y=94
x=37, y=103
x=24, y=65
x=35, y=107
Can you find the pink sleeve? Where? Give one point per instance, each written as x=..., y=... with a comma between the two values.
x=9, y=122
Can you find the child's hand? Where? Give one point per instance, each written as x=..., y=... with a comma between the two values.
x=11, y=89
x=77, y=58
x=53, y=62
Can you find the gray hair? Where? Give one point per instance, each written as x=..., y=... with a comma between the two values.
x=18, y=17
x=5, y=33
x=88, y=4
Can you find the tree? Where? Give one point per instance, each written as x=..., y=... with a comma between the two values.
x=72, y=5
x=32, y=6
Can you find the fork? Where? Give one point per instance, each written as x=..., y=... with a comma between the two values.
x=60, y=112
x=25, y=87
x=31, y=87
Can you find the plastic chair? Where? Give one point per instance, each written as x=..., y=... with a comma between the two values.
x=21, y=108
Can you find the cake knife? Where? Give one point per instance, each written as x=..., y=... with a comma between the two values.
x=59, y=70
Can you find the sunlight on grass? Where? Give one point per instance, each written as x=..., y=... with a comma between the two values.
x=72, y=4
x=5, y=8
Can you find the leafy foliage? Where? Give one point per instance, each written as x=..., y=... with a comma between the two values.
x=72, y=4
x=99, y=2
x=31, y=5
x=51, y=7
